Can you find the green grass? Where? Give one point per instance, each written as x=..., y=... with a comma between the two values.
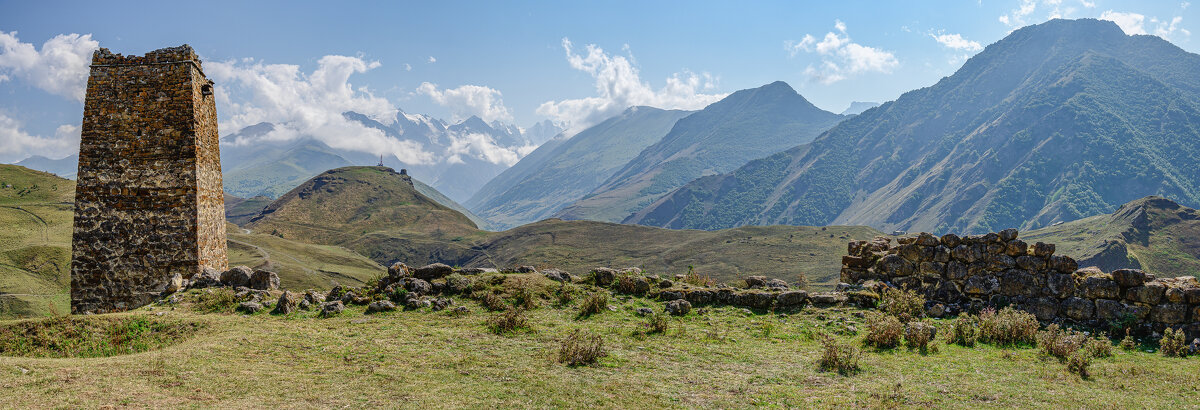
x=35, y=244
x=720, y=358
x=66, y=336
x=301, y=265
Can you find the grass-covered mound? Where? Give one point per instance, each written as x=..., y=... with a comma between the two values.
x=91, y=336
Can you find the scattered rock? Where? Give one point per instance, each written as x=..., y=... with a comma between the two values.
x=288, y=303
x=644, y=311
x=1129, y=278
x=678, y=307
x=175, y=284
x=381, y=306
x=526, y=269
x=755, y=282
x=792, y=298
x=264, y=280
x=604, y=276
x=236, y=276
x=433, y=271
x=332, y=308
x=557, y=275
x=250, y=307
x=417, y=286
x=206, y=278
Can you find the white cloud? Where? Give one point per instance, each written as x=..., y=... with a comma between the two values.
x=1021, y=15
x=483, y=147
x=16, y=144
x=1131, y=23
x=468, y=100
x=309, y=104
x=407, y=67
x=1168, y=28
x=60, y=67
x=841, y=57
x=956, y=42
x=619, y=86
x=432, y=60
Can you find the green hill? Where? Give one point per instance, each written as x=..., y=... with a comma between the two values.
x=1055, y=122
x=35, y=245
x=1153, y=233
x=572, y=168
x=747, y=124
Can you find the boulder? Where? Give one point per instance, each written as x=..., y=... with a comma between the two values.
x=670, y=295
x=665, y=283
x=399, y=270
x=432, y=271
x=1078, y=309
x=417, y=286
x=951, y=240
x=526, y=269
x=791, y=298
x=996, y=248
x=956, y=270
x=931, y=268
x=1044, y=308
x=910, y=252
x=332, y=308
x=175, y=284
x=998, y=263
x=476, y=271
x=1098, y=287
x=860, y=262
x=287, y=304
x=1017, y=282
x=644, y=311
x=894, y=265
x=755, y=282
x=1129, y=278
x=1016, y=248
x=1063, y=263
x=754, y=300
x=1031, y=263
x=1007, y=235
x=264, y=280
x=825, y=299
x=777, y=284
x=941, y=254
x=634, y=285
x=699, y=297
x=1169, y=313
x=206, y=278
x=557, y=275
x=981, y=285
x=381, y=306
x=237, y=276
x=1151, y=293
x=948, y=292
x=1043, y=249
x=926, y=239
x=1175, y=295
x=314, y=298
x=250, y=307
x=604, y=276
x=678, y=307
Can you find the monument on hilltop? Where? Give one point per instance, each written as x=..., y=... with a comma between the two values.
x=149, y=205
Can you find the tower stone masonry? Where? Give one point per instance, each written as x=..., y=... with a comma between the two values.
x=149, y=205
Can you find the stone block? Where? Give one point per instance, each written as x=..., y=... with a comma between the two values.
x=951, y=240
x=894, y=265
x=1060, y=285
x=1079, y=309
x=1043, y=249
x=1169, y=313
x=981, y=285
x=791, y=298
x=956, y=270
x=1062, y=263
x=1007, y=235
x=1096, y=287
x=1031, y=263
x=926, y=239
x=1001, y=262
x=1150, y=293
x=1129, y=278
x=1016, y=248
x=1014, y=282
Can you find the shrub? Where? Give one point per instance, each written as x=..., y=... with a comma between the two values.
x=696, y=279
x=905, y=305
x=1128, y=343
x=883, y=331
x=1060, y=343
x=593, y=304
x=1008, y=327
x=1078, y=363
x=1172, y=343
x=919, y=335
x=631, y=284
x=524, y=295
x=216, y=301
x=581, y=347
x=565, y=294
x=964, y=331
x=97, y=336
x=656, y=323
x=837, y=356
x=1099, y=346
x=457, y=283
x=492, y=302
x=508, y=321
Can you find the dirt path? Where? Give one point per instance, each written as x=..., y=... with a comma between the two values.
x=45, y=225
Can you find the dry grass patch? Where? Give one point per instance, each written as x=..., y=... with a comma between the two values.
x=66, y=336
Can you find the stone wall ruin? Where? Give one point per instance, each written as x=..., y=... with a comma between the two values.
x=998, y=269
x=149, y=209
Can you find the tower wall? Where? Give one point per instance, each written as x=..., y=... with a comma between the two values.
x=149, y=202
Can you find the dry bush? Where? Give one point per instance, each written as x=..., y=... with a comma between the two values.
x=565, y=294
x=508, y=321
x=1078, y=363
x=964, y=331
x=1060, y=343
x=593, y=304
x=906, y=305
x=656, y=323
x=581, y=347
x=525, y=295
x=1128, y=343
x=492, y=302
x=696, y=279
x=1099, y=346
x=837, y=356
x=883, y=331
x=1172, y=343
x=1008, y=327
x=919, y=335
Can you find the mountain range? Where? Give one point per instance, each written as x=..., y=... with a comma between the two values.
x=1055, y=122
x=745, y=125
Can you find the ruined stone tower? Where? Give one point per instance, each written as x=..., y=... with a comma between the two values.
x=149, y=204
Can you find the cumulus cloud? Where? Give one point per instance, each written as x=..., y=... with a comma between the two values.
x=432, y=60
x=468, y=100
x=1022, y=15
x=16, y=144
x=60, y=67
x=619, y=86
x=841, y=57
x=483, y=147
x=956, y=42
x=309, y=104
x=1135, y=24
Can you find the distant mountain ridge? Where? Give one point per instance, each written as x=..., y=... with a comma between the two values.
x=1055, y=122
x=745, y=125
x=564, y=171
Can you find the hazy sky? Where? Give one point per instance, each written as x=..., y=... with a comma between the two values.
x=517, y=62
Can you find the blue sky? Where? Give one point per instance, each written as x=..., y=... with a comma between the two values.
x=509, y=61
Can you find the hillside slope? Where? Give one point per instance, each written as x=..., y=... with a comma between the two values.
x=747, y=124
x=35, y=245
x=574, y=167
x=1055, y=122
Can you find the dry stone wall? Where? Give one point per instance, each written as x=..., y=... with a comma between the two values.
x=998, y=269
x=149, y=209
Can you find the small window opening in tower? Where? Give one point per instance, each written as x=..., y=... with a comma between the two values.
x=206, y=89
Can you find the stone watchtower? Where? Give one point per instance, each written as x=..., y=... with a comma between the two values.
x=149, y=206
